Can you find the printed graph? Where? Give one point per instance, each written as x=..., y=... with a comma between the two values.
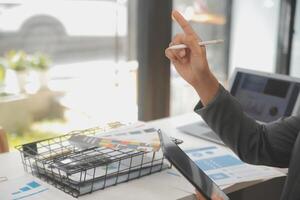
x=223, y=167
x=218, y=162
x=29, y=190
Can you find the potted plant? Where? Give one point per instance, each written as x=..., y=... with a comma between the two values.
x=19, y=63
x=3, y=66
x=17, y=60
x=30, y=69
x=41, y=63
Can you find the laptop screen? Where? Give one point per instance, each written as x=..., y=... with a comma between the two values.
x=265, y=98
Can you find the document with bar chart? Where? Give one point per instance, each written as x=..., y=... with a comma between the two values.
x=224, y=167
x=28, y=188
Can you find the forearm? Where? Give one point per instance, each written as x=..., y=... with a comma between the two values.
x=252, y=142
x=207, y=86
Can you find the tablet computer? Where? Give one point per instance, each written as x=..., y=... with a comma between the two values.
x=189, y=169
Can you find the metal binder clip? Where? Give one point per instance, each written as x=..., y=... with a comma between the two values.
x=176, y=141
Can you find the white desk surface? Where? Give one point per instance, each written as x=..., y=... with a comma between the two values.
x=160, y=185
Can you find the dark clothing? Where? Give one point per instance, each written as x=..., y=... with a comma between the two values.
x=274, y=144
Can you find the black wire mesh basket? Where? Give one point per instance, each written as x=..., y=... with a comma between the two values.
x=79, y=171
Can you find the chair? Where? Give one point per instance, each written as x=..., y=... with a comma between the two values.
x=3, y=141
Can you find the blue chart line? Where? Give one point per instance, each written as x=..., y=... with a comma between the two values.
x=218, y=162
x=30, y=189
x=173, y=174
x=218, y=176
x=200, y=149
x=32, y=194
x=24, y=189
x=16, y=193
x=33, y=184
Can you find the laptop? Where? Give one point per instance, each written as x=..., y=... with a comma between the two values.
x=263, y=96
x=189, y=169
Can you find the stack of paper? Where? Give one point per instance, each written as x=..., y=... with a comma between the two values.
x=225, y=168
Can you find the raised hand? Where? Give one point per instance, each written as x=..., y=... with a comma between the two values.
x=191, y=63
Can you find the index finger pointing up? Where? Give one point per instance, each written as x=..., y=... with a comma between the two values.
x=188, y=30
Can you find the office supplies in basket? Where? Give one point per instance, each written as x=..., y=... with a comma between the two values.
x=78, y=170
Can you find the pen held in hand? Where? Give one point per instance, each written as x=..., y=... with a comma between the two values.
x=183, y=46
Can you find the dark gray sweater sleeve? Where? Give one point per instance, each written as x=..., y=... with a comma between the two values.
x=270, y=144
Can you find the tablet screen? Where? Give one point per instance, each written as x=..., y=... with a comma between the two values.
x=189, y=169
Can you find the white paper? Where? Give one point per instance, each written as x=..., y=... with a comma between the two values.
x=29, y=188
x=136, y=132
x=224, y=167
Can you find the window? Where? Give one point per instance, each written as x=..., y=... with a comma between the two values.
x=295, y=60
x=211, y=20
x=88, y=43
x=254, y=34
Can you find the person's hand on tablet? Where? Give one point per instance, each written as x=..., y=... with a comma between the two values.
x=191, y=63
x=199, y=196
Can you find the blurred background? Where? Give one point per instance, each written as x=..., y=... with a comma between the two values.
x=74, y=64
